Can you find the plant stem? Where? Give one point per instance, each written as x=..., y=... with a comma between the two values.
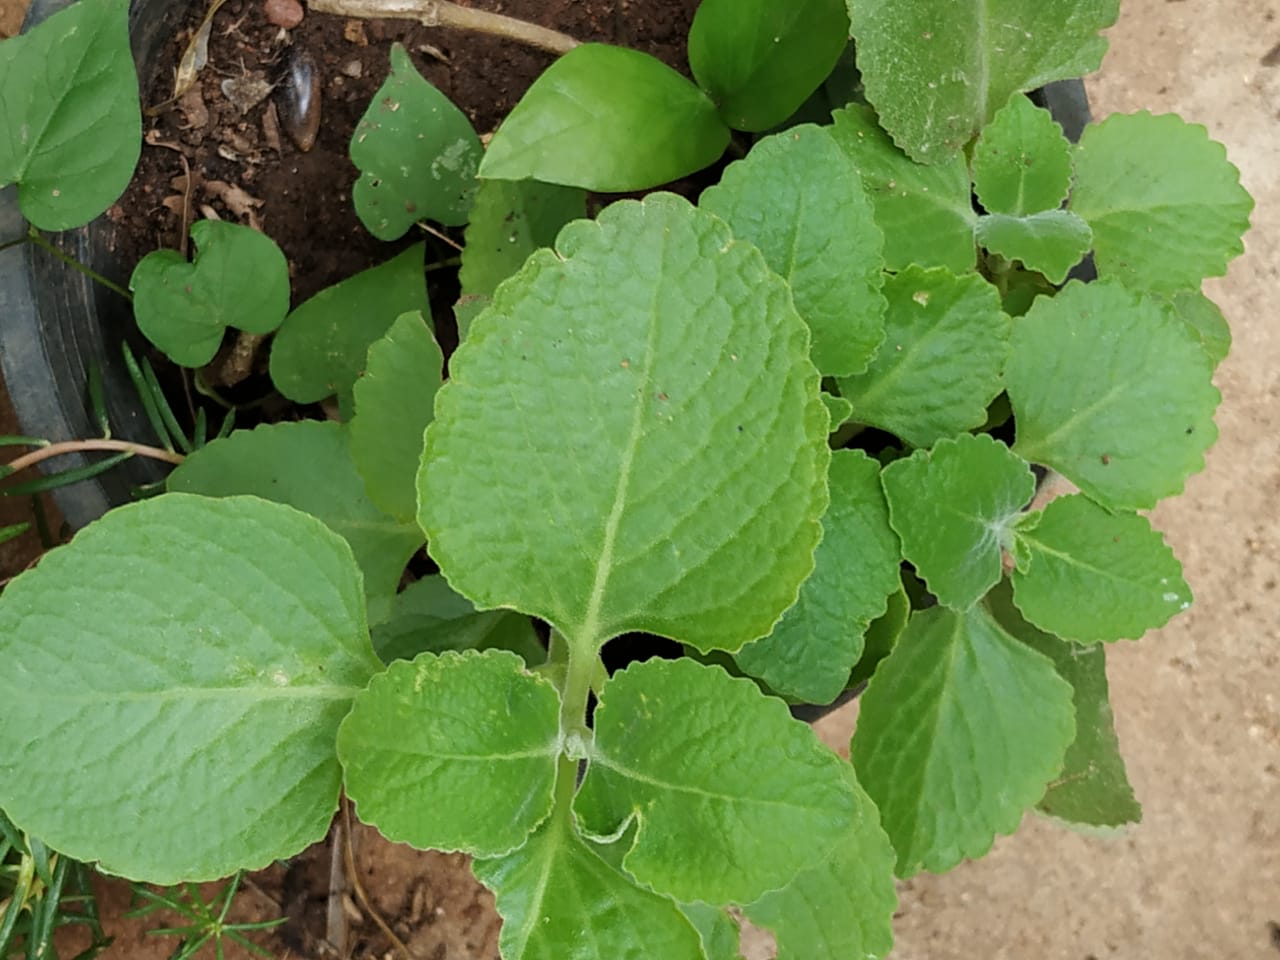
x=574, y=696
x=73, y=262
x=80, y=446
x=442, y=13
x=13, y=243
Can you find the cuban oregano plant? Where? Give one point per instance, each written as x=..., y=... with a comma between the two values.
x=797, y=426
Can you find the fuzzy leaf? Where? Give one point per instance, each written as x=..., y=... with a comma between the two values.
x=476, y=733
x=938, y=72
x=1165, y=205
x=577, y=125
x=1206, y=319
x=70, y=121
x=394, y=401
x=946, y=341
x=758, y=60
x=238, y=278
x=1051, y=242
x=797, y=197
x=1022, y=161
x=307, y=465
x=815, y=645
x=732, y=796
x=510, y=220
x=1093, y=789
x=1091, y=575
x=321, y=347
x=181, y=658
x=954, y=507
x=416, y=153
x=669, y=470
x=926, y=212
x=1113, y=391
x=958, y=733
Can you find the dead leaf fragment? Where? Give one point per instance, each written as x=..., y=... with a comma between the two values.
x=246, y=92
x=194, y=110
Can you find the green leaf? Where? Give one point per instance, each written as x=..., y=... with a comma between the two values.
x=476, y=733
x=510, y=220
x=1206, y=319
x=839, y=408
x=1051, y=242
x=926, y=212
x=321, y=347
x=557, y=893
x=815, y=645
x=1166, y=207
x=238, y=278
x=416, y=153
x=946, y=341
x=683, y=491
x=1092, y=575
x=468, y=307
x=881, y=637
x=937, y=73
x=182, y=661
x=607, y=119
x=717, y=929
x=841, y=908
x=394, y=403
x=307, y=465
x=732, y=796
x=1113, y=391
x=1093, y=789
x=428, y=617
x=958, y=732
x=954, y=507
x=797, y=197
x=70, y=121
x=1022, y=161
x=759, y=60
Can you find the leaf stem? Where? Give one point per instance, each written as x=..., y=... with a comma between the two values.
x=442, y=13
x=81, y=446
x=71, y=261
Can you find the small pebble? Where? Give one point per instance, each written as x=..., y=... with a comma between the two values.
x=353, y=69
x=283, y=13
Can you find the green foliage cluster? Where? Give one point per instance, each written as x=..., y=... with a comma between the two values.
x=653, y=424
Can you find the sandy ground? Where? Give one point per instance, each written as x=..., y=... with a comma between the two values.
x=1198, y=703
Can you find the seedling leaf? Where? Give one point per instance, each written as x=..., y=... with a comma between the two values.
x=959, y=731
x=70, y=121
x=1206, y=319
x=1076, y=549
x=1166, y=207
x=954, y=507
x=815, y=645
x=577, y=125
x=238, y=278
x=946, y=340
x=1113, y=391
x=1022, y=162
x=799, y=199
x=758, y=60
x=732, y=796
x=417, y=155
x=215, y=700
x=937, y=73
x=683, y=492
x=476, y=733
x=1052, y=241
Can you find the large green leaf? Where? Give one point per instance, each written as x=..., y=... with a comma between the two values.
x=954, y=507
x=926, y=212
x=632, y=437
x=1112, y=390
x=1087, y=574
x=1022, y=161
x=395, y=400
x=816, y=643
x=938, y=72
x=321, y=346
x=238, y=278
x=307, y=464
x=958, y=733
x=173, y=683
x=759, y=59
x=416, y=153
x=70, y=121
x=797, y=197
x=946, y=340
x=731, y=795
x=607, y=119
x=1165, y=205
x=1093, y=789
x=454, y=752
